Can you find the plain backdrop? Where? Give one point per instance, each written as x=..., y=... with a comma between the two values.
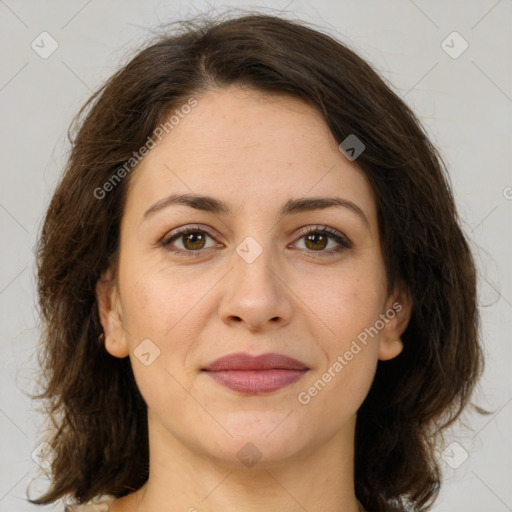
x=462, y=95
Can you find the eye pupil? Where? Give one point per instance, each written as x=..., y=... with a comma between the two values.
x=193, y=238
x=314, y=237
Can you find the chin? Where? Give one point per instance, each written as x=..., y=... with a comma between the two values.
x=257, y=442
x=253, y=453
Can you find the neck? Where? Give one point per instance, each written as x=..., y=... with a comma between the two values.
x=320, y=478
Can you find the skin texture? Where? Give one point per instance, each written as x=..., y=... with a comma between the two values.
x=255, y=152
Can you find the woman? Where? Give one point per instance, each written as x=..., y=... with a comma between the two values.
x=255, y=289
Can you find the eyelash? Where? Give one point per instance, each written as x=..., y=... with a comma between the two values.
x=323, y=230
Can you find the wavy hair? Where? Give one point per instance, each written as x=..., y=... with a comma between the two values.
x=99, y=418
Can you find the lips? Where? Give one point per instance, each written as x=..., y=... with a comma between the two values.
x=256, y=375
x=241, y=361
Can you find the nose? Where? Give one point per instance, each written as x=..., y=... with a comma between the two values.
x=255, y=294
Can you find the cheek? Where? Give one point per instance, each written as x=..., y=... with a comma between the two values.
x=157, y=317
x=168, y=309
x=352, y=299
x=350, y=304
x=343, y=379
x=156, y=300
x=340, y=388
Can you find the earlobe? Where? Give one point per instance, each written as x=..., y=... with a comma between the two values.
x=117, y=348
x=400, y=305
x=111, y=319
x=390, y=349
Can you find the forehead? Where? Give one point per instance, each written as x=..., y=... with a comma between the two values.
x=248, y=148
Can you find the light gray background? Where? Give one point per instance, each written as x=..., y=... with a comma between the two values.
x=465, y=103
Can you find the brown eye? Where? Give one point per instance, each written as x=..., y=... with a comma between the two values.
x=187, y=240
x=194, y=240
x=324, y=241
x=316, y=241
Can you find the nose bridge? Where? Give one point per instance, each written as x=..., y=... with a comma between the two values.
x=253, y=262
x=255, y=292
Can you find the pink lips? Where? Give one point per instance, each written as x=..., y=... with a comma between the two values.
x=255, y=375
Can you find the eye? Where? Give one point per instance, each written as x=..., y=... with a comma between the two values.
x=317, y=239
x=192, y=240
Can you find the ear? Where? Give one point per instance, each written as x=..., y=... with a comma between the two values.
x=396, y=318
x=111, y=316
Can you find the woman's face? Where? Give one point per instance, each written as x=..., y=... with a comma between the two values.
x=250, y=279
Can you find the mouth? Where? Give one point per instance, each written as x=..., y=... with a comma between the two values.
x=256, y=375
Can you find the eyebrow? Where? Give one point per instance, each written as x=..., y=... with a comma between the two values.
x=292, y=206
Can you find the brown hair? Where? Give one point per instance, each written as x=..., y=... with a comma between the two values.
x=99, y=417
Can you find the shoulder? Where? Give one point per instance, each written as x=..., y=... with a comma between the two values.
x=96, y=506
